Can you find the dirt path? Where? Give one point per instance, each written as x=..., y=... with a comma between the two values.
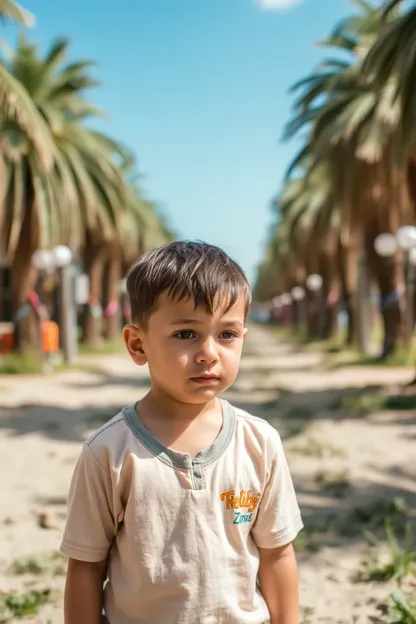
x=350, y=458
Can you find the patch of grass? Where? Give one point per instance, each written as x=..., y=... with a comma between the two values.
x=401, y=560
x=317, y=449
x=293, y=428
x=363, y=403
x=373, y=400
x=373, y=516
x=21, y=605
x=401, y=358
x=307, y=615
x=16, y=364
x=334, y=483
x=87, y=367
x=312, y=537
x=304, y=542
x=53, y=564
x=8, y=521
x=106, y=348
x=402, y=609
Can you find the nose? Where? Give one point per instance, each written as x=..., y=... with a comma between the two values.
x=207, y=352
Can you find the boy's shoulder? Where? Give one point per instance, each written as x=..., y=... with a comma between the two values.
x=111, y=437
x=108, y=429
x=256, y=427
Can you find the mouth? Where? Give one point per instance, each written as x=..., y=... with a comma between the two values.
x=206, y=380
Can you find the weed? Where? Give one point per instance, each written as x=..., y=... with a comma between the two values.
x=8, y=521
x=317, y=449
x=402, y=609
x=28, y=565
x=334, y=483
x=312, y=538
x=400, y=563
x=307, y=615
x=106, y=348
x=293, y=428
x=16, y=364
x=373, y=516
x=54, y=564
x=19, y=605
x=363, y=404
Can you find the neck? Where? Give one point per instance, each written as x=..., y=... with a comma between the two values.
x=164, y=407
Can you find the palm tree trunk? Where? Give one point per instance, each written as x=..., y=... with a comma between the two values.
x=27, y=337
x=112, y=312
x=329, y=297
x=386, y=272
x=91, y=321
x=347, y=260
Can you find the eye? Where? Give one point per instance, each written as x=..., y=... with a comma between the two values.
x=228, y=335
x=185, y=334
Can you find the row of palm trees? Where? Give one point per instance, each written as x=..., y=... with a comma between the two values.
x=355, y=174
x=62, y=182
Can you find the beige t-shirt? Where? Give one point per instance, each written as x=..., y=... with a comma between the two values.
x=181, y=533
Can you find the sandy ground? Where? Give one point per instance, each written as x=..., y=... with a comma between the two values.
x=340, y=462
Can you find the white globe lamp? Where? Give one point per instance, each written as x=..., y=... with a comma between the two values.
x=298, y=293
x=62, y=256
x=406, y=237
x=386, y=245
x=286, y=299
x=43, y=260
x=314, y=282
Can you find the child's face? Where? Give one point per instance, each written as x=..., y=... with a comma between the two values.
x=192, y=355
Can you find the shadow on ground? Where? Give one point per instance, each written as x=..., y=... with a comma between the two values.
x=54, y=421
x=333, y=517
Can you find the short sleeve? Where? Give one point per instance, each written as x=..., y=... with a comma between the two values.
x=278, y=520
x=89, y=530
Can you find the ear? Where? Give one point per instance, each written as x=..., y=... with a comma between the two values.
x=133, y=339
x=245, y=330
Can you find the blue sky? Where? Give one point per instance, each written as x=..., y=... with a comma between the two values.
x=199, y=90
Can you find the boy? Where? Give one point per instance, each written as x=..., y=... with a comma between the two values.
x=182, y=501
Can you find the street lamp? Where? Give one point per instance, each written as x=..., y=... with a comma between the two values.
x=60, y=258
x=386, y=245
x=314, y=283
x=406, y=237
x=285, y=299
x=298, y=295
x=43, y=260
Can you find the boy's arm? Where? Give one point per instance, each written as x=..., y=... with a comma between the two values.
x=83, y=603
x=277, y=524
x=91, y=526
x=278, y=578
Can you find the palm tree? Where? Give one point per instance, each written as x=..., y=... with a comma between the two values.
x=12, y=10
x=352, y=128
x=16, y=104
x=80, y=195
x=393, y=57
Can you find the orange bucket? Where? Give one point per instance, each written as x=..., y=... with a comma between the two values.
x=50, y=337
x=6, y=342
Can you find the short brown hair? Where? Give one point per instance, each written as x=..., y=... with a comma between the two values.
x=184, y=270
